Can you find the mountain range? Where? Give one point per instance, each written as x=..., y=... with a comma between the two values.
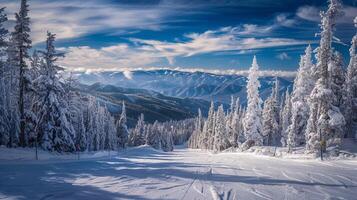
x=198, y=85
x=153, y=105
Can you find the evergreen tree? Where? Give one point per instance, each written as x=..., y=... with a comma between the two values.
x=167, y=143
x=208, y=130
x=110, y=130
x=4, y=89
x=303, y=85
x=53, y=126
x=153, y=136
x=22, y=42
x=252, y=120
x=236, y=124
x=194, y=140
x=220, y=138
x=285, y=119
x=325, y=119
x=122, y=129
x=137, y=136
x=349, y=106
x=337, y=78
x=271, y=117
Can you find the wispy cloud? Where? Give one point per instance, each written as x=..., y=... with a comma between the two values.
x=312, y=13
x=85, y=58
x=144, y=52
x=224, y=39
x=70, y=19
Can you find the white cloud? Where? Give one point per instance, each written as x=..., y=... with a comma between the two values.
x=311, y=13
x=147, y=52
x=283, y=56
x=74, y=18
x=224, y=39
x=85, y=58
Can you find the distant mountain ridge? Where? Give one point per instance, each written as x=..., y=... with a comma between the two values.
x=199, y=85
x=153, y=105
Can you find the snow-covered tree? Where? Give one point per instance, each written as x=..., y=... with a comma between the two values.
x=137, y=135
x=81, y=136
x=5, y=109
x=236, y=125
x=206, y=140
x=153, y=135
x=349, y=105
x=221, y=141
x=271, y=117
x=325, y=119
x=11, y=69
x=303, y=85
x=110, y=131
x=194, y=139
x=53, y=120
x=285, y=119
x=252, y=120
x=22, y=42
x=122, y=129
x=167, y=143
x=337, y=78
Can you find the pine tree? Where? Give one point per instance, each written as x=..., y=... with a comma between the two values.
x=325, y=119
x=220, y=138
x=303, y=85
x=167, y=141
x=153, y=136
x=349, y=106
x=81, y=136
x=285, y=119
x=194, y=140
x=11, y=93
x=337, y=78
x=53, y=121
x=22, y=42
x=137, y=136
x=208, y=130
x=4, y=107
x=252, y=121
x=110, y=130
x=271, y=117
x=236, y=124
x=122, y=129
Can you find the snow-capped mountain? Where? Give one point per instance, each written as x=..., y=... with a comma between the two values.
x=174, y=83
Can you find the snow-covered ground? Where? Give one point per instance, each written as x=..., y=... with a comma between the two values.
x=144, y=173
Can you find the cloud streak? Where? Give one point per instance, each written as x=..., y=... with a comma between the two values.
x=143, y=52
x=312, y=13
x=75, y=18
x=224, y=39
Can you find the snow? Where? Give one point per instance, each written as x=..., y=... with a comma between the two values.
x=145, y=173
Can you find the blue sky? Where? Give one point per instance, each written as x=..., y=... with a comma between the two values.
x=208, y=34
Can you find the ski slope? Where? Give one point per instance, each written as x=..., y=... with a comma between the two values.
x=144, y=173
